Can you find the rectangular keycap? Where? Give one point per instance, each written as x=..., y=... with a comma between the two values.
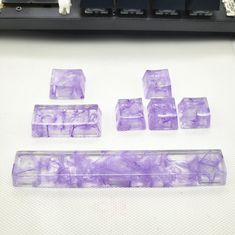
x=80, y=169
x=66, y=121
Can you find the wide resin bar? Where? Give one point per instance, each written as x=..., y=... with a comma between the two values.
x=66, y=121
x=101, y=169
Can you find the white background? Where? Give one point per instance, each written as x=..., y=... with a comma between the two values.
x=114, y=66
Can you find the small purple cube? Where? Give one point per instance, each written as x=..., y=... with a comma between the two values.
x=67, y=84
x=157, y=84
x=162, y=114
x=194, y=113
x=66, y=121
x=130, y=115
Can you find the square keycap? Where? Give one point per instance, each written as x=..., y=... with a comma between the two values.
x=157, y=84
x=130, y=115
x=162, y=114
x=194, y=113
x=67, y=84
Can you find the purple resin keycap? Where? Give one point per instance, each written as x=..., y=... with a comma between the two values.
x=194, y=113
x=157, y=84
x=119, y=169
x=67, y=84
x=162, y=114
x=130, y=115
x=66, y=121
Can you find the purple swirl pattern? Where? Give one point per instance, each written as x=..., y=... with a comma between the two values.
x=162, y=114
x=67, y=84
x=194, y=113
x=66, y=121
x=157, y=84
x=130, y=115
x=101, y=169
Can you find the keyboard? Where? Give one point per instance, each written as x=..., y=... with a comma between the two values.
x=217, y=16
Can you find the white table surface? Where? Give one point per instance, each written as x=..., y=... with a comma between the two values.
x=114, y=67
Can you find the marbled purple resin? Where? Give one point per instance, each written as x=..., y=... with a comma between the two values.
x=194, y=113
x=130, y=115
x=157, y=84
x=66, y=121
x=67, y=84
x=162, y=114
x=119, y=169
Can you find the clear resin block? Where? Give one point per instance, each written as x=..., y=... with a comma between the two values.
x=119, y=169
x=162, y=114
x=157, y=84
x=194, y=113
x=130, y=115
x=66, y=121
x=67, y=84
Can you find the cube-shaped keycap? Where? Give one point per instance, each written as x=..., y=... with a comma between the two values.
x=157, y=84
x=66, y=121
x=67, y=84
x=130, y=115
x=194, y=113
x=162, y=114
